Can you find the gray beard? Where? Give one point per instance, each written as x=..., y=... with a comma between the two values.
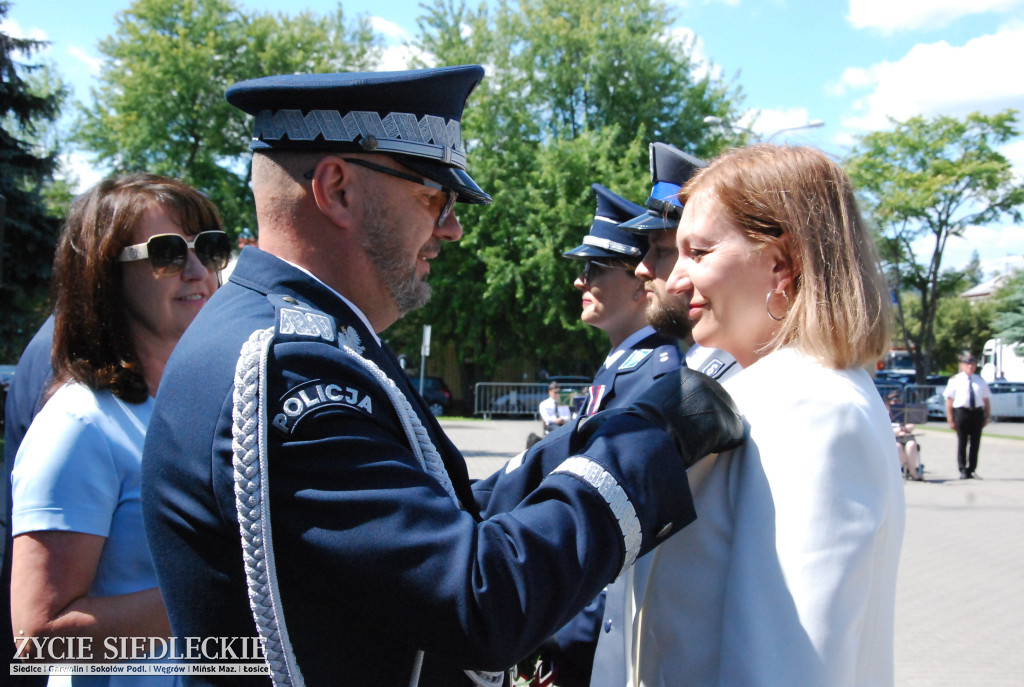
x=382, y=245
x=668, y=321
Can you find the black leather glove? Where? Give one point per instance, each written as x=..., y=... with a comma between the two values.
x=695, y=411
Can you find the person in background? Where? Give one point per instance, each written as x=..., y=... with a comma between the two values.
x=24, y=399
x=295, y=485
x=137, y=259
x=909, y=451
x=968, y=409
x=548, y=409
x=789, y=575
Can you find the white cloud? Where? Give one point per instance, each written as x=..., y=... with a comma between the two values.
x=889, y=16
x=995, y=244
x=92, y=63
x=777, y=125
x=938, y=78
x=1014, y=152
x=388, y=28
x=399, y=57
x=701, y=64
x=87, y=172
x=685, y=4
x=14, y=30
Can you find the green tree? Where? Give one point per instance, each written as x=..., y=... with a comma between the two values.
x=160, y=104
x=960, y=326
x=931, y=179
x=1008, y=323
x=573, y=95
x=28, y=230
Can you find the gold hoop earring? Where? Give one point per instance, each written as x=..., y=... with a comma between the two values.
x=768, y=305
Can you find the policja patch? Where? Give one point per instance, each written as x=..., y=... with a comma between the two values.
x=316, y=395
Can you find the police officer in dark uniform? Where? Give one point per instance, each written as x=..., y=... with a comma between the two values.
x=294, y=483
x=670, y=169
x=614, y=301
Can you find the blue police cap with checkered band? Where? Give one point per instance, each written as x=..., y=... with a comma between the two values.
x=671, y=168
x=606, y=239
x=414, y=116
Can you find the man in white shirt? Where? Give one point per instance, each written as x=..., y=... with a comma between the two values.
x=548, y=409
x=968, y=407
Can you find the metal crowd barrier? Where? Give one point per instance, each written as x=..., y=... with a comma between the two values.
x=908, y=403
x=512, y=399
x=506, y=398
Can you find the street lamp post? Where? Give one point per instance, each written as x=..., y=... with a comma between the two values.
x=712, y=120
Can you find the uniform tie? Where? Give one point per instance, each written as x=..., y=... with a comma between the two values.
x=970, y=393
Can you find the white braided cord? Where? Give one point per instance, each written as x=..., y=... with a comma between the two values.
x=252, y=502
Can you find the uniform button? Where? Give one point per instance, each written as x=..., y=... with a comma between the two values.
x=608, y=625
x=665, y=531
x=289, y=299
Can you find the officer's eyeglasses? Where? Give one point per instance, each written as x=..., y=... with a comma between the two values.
x=168, y=253
x=429, y=183
x=422, y=181
x=595, y=268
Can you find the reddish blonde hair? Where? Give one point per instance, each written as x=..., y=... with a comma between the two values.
x=801, y=201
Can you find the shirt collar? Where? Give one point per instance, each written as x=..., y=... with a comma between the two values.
x=634, y=338
x=350, y=304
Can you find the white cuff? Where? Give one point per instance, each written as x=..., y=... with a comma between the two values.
x=602, y=481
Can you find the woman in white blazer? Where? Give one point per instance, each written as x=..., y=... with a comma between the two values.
x=788, y=576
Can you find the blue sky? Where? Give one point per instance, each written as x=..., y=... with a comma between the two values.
x=849, y=63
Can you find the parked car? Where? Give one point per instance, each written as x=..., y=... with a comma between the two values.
x=436, y=393
x=936, y=406
x=1007, y=401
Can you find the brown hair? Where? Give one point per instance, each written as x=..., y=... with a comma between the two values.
x=802, y=201
x=91, y=342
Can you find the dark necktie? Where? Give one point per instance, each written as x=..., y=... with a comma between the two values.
x=970, y=393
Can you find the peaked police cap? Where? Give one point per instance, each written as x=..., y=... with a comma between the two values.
x=606, y=239
x=414, y=116
x=671, y=168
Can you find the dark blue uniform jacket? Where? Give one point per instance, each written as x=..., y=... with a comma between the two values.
x=374, y=561
x=616, y=385
x=620, y=383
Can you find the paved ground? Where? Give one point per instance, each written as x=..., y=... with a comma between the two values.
x=960, y=603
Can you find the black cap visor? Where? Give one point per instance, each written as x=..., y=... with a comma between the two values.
x=586, y=252
x=449, y=177
x=649, y=221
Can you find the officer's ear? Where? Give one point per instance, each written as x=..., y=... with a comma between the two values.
x=334, y=190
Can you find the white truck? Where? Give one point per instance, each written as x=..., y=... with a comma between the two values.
x=1003, y=362
x=1002, y=366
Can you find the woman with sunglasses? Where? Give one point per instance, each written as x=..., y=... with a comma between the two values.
x=138, y=257
x=613, y=300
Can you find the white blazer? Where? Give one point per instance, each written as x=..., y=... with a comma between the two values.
x=788, y=576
